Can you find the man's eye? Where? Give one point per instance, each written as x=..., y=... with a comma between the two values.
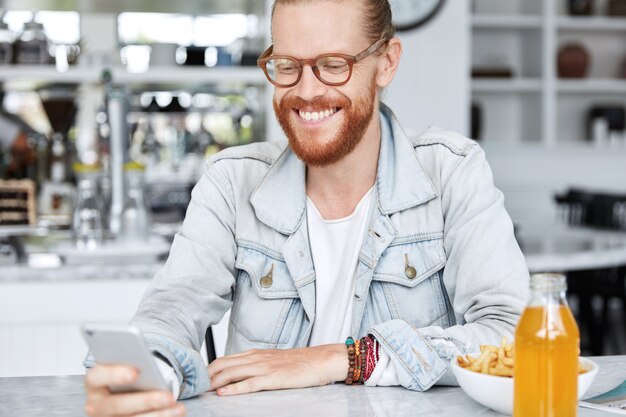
x=335, y=67
x=287, y=69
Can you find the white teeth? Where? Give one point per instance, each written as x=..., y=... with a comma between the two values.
x=306, y=115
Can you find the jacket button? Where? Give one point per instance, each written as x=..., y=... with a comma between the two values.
x=267, y=280
x=410, y=272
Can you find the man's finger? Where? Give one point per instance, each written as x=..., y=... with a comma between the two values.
x=230, y=361
x=237, y=373
x=244, y=387
x=107, y=375
x=136, y=402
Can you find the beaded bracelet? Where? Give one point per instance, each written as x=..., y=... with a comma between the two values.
x=357, y=361
x=350, y=347
x=363, y=355
x=372, y=356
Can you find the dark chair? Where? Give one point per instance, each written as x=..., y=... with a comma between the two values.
x=602, y=211
x=210, y=345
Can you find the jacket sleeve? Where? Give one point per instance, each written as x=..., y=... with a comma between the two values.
x=194, y=288
x=485, y=275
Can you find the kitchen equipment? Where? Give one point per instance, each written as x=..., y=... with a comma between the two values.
x=88, y=219
x=59, y=103
x=136, y=220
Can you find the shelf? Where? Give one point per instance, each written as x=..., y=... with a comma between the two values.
x=506, y=85
x=601, y=24
x=534, y=149
x=486, y=21
x=592, y=86
x=165, y=75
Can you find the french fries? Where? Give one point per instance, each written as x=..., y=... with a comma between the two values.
x=495, y=360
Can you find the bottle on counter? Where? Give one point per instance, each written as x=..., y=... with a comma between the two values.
x=7, y=39
x=136, y=219
x=88, y=220
x=31, y=47
x=546, y=352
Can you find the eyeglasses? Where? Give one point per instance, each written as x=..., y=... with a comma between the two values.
x=332, y=69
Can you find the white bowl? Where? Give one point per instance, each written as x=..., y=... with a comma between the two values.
x=496, y=392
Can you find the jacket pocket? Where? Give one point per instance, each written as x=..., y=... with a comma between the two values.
x=266, y=304
x=408, y=275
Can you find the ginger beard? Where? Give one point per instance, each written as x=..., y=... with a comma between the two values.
x=308, y=144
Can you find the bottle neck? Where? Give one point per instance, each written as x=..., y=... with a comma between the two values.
x=542, y=298
x=547, y=289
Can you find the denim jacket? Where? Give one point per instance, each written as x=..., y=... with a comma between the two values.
x=439, y=270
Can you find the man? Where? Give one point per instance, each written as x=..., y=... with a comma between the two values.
x=351, y=230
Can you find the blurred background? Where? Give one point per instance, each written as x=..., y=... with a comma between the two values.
x=108, y=110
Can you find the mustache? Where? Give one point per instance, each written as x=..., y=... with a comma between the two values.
x=317, y=104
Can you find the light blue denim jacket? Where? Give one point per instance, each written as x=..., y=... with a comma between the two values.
x=244, y=246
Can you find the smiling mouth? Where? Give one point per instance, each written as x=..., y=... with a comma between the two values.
x=315, y=116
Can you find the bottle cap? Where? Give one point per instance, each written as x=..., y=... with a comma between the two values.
x=548, y=282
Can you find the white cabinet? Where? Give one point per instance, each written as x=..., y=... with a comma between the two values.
x=534, y=106
x=533, y=123
x=40, y=321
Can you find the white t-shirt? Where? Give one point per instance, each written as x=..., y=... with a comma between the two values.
x=335, y=246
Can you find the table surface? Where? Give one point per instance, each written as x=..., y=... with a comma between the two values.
x=565, y=248
x=64, y=396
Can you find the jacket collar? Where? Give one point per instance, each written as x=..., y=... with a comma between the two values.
x=280, y=199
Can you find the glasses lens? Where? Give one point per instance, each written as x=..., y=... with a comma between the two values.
x=283, y=71
x=333, y=69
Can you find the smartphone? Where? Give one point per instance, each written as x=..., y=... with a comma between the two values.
x=124, y=345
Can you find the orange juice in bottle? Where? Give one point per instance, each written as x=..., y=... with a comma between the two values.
x=546, y=352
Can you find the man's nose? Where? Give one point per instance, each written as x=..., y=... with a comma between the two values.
x=309, y=86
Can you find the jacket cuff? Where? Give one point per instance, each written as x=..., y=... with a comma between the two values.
x=187, y=364
x=417, y=363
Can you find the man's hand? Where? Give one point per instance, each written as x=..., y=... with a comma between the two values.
x=260, y=370
x=101, y=402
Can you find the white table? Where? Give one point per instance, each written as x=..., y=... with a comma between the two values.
x=64, y=396
x=562, y=248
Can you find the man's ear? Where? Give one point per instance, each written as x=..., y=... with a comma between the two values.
x=388, y=63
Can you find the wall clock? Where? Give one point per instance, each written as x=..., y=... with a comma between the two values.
x=411, y=14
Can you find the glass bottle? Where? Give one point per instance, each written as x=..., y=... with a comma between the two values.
x=31, y=47
x=7, y=37
x=87, y=221
x=546, y=352
x=135, y=224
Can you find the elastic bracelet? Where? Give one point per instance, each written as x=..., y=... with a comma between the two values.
x=363, y=359
x=357, y=361
x=372, y=356
x=351, y=360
